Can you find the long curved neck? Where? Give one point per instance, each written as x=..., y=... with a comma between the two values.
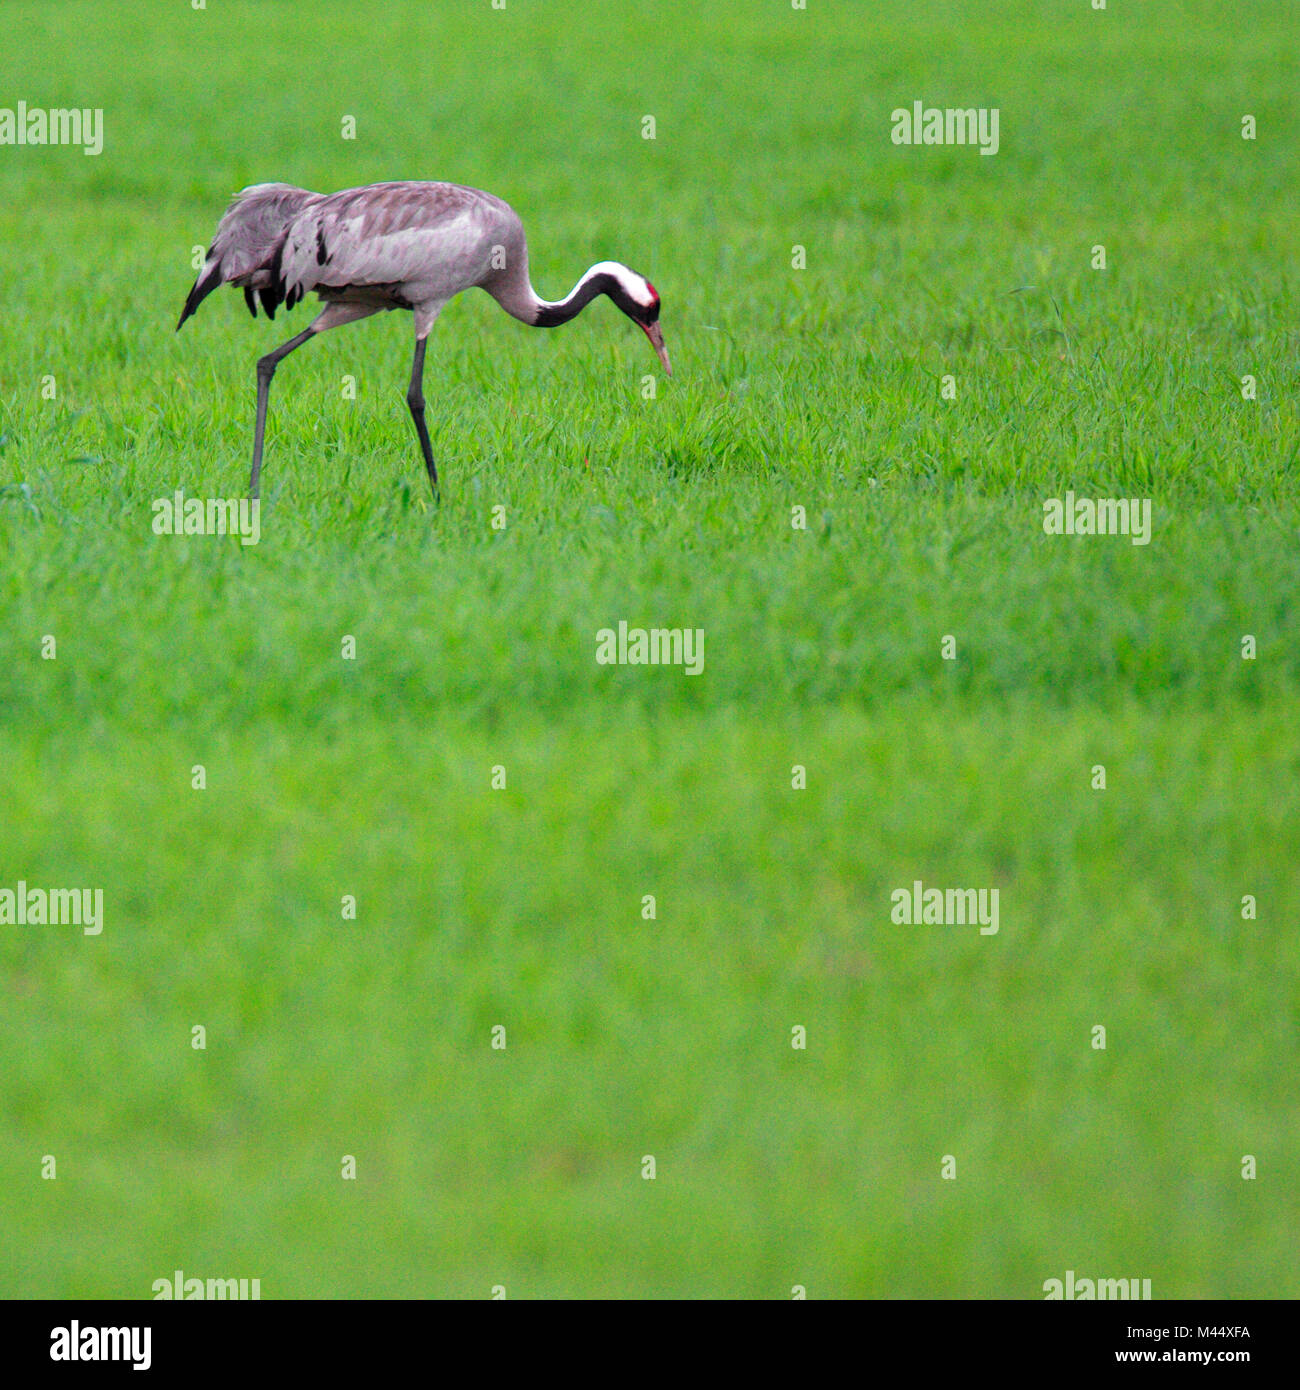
x=551, y=313
x=513, y=291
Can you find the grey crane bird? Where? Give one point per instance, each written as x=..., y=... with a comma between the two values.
x=391, y=246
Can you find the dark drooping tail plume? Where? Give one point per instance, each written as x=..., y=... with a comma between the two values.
x=245, y=251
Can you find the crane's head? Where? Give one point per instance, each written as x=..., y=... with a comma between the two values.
x=639, y=300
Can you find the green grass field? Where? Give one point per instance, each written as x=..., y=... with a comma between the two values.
x=521, y=907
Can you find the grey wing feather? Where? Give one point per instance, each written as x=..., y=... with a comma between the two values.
x=430, y=239
x=246, y=240
x=252, y=224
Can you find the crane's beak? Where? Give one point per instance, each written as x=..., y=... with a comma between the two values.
x=656, y=336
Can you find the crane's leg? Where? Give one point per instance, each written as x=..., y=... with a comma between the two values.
x=265, y=371
x=415, y=399
x=330, y=317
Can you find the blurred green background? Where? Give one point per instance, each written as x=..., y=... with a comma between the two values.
x=521, y=907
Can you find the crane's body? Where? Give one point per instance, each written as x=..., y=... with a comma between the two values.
x=391, y=246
